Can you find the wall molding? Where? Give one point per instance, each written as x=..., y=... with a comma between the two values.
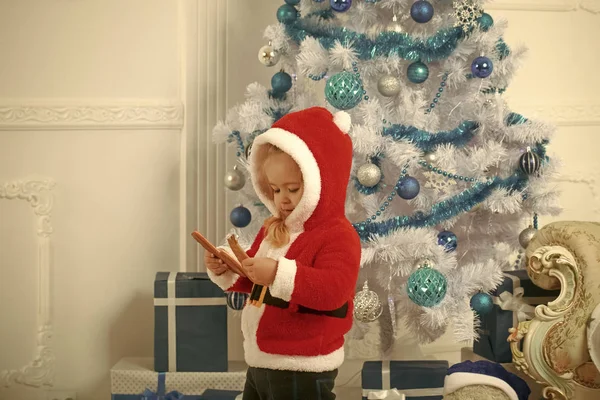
x=40, y=371
x=83, y=114
x=562, y=114
x=592, y=6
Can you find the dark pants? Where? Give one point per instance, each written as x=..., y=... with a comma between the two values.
x=272, y=384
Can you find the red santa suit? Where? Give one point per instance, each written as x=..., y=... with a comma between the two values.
x=318, y=269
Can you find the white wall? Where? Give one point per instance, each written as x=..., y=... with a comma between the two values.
x=92, y=97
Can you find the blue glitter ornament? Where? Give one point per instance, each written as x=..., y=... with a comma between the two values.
x=281, y=82
x=421, y=11
x=485, y=22
x=292, y=2
x=482, y=67
x=340, y=5
x=344, y=90
x=417, y=72
x=426, y=286
x=408, y=188
x=287, y=14
x=482, y=303
x=240, y=217
x=448, y=241
x=236, y=300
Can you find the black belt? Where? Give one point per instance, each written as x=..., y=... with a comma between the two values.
x=279, y=303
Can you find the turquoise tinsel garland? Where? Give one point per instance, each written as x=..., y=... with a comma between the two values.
x=437, y=47
x=427, y=141
x=444, y=210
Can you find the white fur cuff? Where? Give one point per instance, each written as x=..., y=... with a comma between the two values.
x=458, y=380
x=225, y=281
x=283, y=285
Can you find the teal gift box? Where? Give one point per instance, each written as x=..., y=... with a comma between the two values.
x=417, y=380
x=514, y=299
x=190, y=323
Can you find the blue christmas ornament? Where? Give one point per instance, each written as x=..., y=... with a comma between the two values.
x=344, y=90
x=417, y=72
x=482, y=303
x=287, y=13
x=482, y=67
x=421, y=11
x=426, y=286
x=340, y=5
x=408, y=188
x=281, y=82
x=292, y=2
x=448, y=241
x=236, y=300
x=240, y=217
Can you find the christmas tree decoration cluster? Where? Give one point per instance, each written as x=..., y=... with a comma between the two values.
x=448, y=180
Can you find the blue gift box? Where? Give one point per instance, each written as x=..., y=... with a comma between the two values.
x=417, y=380
x=492, y=343
x=190, y=323
x=212, y=394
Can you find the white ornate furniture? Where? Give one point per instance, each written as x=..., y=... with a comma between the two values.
x=556, y=352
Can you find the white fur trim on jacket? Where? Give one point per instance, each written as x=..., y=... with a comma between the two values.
x=299, y=151
x=226, y=279
x=283, y=284
x=458, y=380
x=259, y=359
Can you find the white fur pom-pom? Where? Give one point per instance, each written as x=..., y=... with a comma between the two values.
x=343, y=121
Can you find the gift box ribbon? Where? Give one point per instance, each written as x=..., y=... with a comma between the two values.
x=392, y=392
x=522, y=307
x=172, y=302
x=160, y=391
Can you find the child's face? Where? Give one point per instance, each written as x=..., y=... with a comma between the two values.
x=285, y=179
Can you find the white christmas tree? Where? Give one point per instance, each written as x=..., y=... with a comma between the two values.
x=446, y=179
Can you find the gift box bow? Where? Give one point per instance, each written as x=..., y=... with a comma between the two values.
x=160, y=391
x=515, y=302
x=391, y=394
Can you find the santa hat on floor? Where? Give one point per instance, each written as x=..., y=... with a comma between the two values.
x=487, y=373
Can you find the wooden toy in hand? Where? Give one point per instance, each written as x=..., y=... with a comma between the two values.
x=258, y=292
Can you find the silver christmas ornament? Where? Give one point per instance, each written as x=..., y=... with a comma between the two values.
x=369, y=175
x=268, y=56
x=234, y=179
x=394, y=26
x=526, y=236
x=367, y=306
x=388, y=85
x=431, y=158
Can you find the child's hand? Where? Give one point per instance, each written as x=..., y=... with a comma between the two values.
x=216, y=265
x=260, y=270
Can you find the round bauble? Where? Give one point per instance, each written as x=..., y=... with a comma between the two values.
x=344, y=90
x=426, y=286
x=482, y=303
x=240, y=217
x=236, y=300
x=421, y=11
x=417, y=72
x=340, y=5
x=529, y=162
x=526, y=236
x=485, y=22
x=482, y=67
x=388, y=85
x=448, y=241
x=367, y=306
x=268, y=56
x=368, y=175
x=235, y=179
x=408, y=188
x=287, y=13
x=281, y=82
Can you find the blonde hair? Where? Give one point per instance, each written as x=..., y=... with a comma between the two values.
x=276, y=231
